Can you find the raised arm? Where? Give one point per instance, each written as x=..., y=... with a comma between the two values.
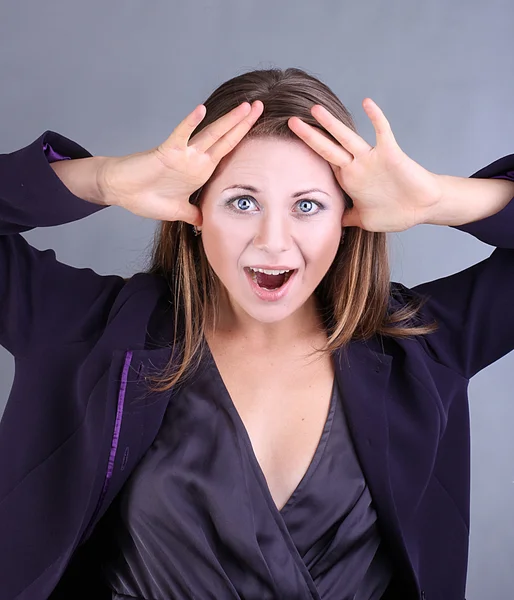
x=41, y=299
x=475, y=307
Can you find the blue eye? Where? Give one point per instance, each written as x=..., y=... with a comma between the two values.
x=306, y=205
x=243, y=203
x=240, y=204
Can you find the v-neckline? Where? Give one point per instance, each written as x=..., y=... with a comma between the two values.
x=244, y=435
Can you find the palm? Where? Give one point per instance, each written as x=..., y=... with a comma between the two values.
x=157, y=183
x=390, y=191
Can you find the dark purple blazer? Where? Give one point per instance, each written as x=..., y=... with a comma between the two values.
x=77, y=422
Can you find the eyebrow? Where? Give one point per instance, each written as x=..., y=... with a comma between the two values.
x=254, y=190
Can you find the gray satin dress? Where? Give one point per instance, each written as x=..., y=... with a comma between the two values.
x=196, y=518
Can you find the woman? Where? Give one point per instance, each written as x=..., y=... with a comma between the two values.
x=260, y=414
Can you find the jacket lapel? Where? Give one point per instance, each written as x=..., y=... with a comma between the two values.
x=133, y=422
x=363, y=375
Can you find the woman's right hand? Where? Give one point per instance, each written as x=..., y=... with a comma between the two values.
x=157, y=183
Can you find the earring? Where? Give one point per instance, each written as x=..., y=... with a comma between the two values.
x=196, y=231
x=342, y=236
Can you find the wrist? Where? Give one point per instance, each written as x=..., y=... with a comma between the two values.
x=81, y=177
x=446, y=211
x=466, y=199
x=105, y=186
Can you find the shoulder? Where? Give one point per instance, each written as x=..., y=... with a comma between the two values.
x=142, y=287
x=400, y=296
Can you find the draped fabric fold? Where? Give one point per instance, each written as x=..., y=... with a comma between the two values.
x=197, y=519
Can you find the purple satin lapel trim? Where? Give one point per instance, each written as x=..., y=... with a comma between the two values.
x=52, y=155
x=115, y=438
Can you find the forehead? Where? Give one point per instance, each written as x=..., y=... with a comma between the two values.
x=266, y=160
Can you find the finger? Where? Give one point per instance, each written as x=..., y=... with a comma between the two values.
x=320, y=143
x=230, y=140
x=206, y=138
x=352, y=141
x=380, y=124
x=182, y=132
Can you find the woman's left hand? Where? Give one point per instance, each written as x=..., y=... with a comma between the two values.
x=390, y=191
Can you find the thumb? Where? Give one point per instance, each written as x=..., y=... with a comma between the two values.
x=351, y=218
x=191, y=214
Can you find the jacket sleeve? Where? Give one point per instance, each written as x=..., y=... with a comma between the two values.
x=475, y=307
x=41, y=299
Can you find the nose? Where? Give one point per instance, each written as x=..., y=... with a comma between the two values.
x=273, y=233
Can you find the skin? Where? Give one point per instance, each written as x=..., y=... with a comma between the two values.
x=271, y=228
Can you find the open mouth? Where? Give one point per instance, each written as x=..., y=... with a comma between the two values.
x=269, y=279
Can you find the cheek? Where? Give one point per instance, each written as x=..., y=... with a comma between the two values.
x=320, y=254
x=223, y=247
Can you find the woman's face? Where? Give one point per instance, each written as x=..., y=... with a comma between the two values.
x=275, y=205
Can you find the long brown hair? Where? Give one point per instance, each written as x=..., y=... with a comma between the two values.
x=355, y=293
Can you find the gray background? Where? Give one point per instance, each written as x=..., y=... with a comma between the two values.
x=118, y=76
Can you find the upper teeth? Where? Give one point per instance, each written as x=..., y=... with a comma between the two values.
x=270, y=271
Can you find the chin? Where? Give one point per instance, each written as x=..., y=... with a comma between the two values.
x=269, y=312
x=269, y=316
x=262, y=311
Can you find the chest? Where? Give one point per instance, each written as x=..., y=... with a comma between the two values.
x=283, y=403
